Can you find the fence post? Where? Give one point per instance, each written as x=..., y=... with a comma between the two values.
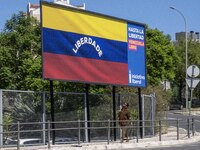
x=137, y=130
x=109, y=131
x=188, y=127
x=43, y=117
x=177, y=129
x=18, y=135
x=79, y=132
x=49, y=134
x=193, y=126
x=152, y=114
x=160, y=130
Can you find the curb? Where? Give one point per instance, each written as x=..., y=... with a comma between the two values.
x=113, y=146
x=130, y=145
x=143, y=143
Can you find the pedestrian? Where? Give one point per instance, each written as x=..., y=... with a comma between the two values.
x=124, y=117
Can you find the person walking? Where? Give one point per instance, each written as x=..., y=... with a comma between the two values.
x=124, y=116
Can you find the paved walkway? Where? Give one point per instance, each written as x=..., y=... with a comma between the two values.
x=193, y=112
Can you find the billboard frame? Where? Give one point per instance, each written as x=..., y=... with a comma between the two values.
x=93, y=14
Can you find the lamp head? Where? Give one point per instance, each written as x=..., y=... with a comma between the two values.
x=171, y=7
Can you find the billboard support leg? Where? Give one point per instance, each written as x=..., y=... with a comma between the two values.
x=88, y=109
x=52, y=112
x=140, y=112
x=114, y=111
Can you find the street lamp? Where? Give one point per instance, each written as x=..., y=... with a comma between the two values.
x=186, y=57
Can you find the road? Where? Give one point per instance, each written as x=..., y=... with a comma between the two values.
x=176, y=114
x=182, y=116
x=193, y=146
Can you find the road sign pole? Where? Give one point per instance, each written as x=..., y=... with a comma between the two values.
x=190, y=102
x=192, y=71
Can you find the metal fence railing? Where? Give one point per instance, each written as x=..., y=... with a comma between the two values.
x=41, y=133
x=34, y=106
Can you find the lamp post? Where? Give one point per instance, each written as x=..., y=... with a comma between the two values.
x=186, y=56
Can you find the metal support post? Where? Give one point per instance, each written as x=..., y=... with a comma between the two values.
x=160, y=130
x=18, y=135
x=52, y=112
x=188, y=127
x=114, y=112
x=137, y=130
x=108, y=131
x=177, y=129
x=193, y=126
x=140, y=112
x=49, y=134
x=79, y=131
x=88, y=110
x=43, y=117
x=152, y=114
x=86, y=117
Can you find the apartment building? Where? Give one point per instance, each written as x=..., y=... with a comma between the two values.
x=34, y=9
x=193, y=36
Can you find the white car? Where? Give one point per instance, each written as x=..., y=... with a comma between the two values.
x=61, y=140
x=32, y=141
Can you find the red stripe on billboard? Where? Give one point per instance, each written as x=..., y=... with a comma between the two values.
x=65, y=67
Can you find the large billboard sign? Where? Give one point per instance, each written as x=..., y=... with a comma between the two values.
x=83, y=46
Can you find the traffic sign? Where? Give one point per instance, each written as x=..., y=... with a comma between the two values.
x=192, y=82
x=193, y=71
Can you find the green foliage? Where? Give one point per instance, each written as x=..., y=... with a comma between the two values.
x=163, y=99
x=134, y=114
x=193, y=59
x=20, y=54
x=7, y=120
x=161, y=57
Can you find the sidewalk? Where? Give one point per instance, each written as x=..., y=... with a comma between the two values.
x=193, y=112
x=167, y=139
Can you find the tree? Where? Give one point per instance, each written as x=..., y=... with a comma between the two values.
x=193, y=59
x=161, y=57
x=20, y=50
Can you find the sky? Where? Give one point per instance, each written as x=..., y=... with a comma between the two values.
x=155, y=13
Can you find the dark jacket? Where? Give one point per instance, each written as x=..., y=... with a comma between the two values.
x=123, y=116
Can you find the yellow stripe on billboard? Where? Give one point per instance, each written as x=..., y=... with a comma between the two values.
x=83, y=23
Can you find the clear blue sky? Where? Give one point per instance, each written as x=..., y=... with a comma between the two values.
x=154, y=13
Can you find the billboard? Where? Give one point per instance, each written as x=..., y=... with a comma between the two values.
x=83, y=46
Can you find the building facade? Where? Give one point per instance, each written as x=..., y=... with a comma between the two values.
x=33, y=10
x=193, y=36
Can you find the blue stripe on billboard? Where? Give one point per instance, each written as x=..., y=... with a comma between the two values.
x=136, y=55
x=79, y=45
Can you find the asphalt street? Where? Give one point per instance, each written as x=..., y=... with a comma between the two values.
x=181, y=115
x=191, y=146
